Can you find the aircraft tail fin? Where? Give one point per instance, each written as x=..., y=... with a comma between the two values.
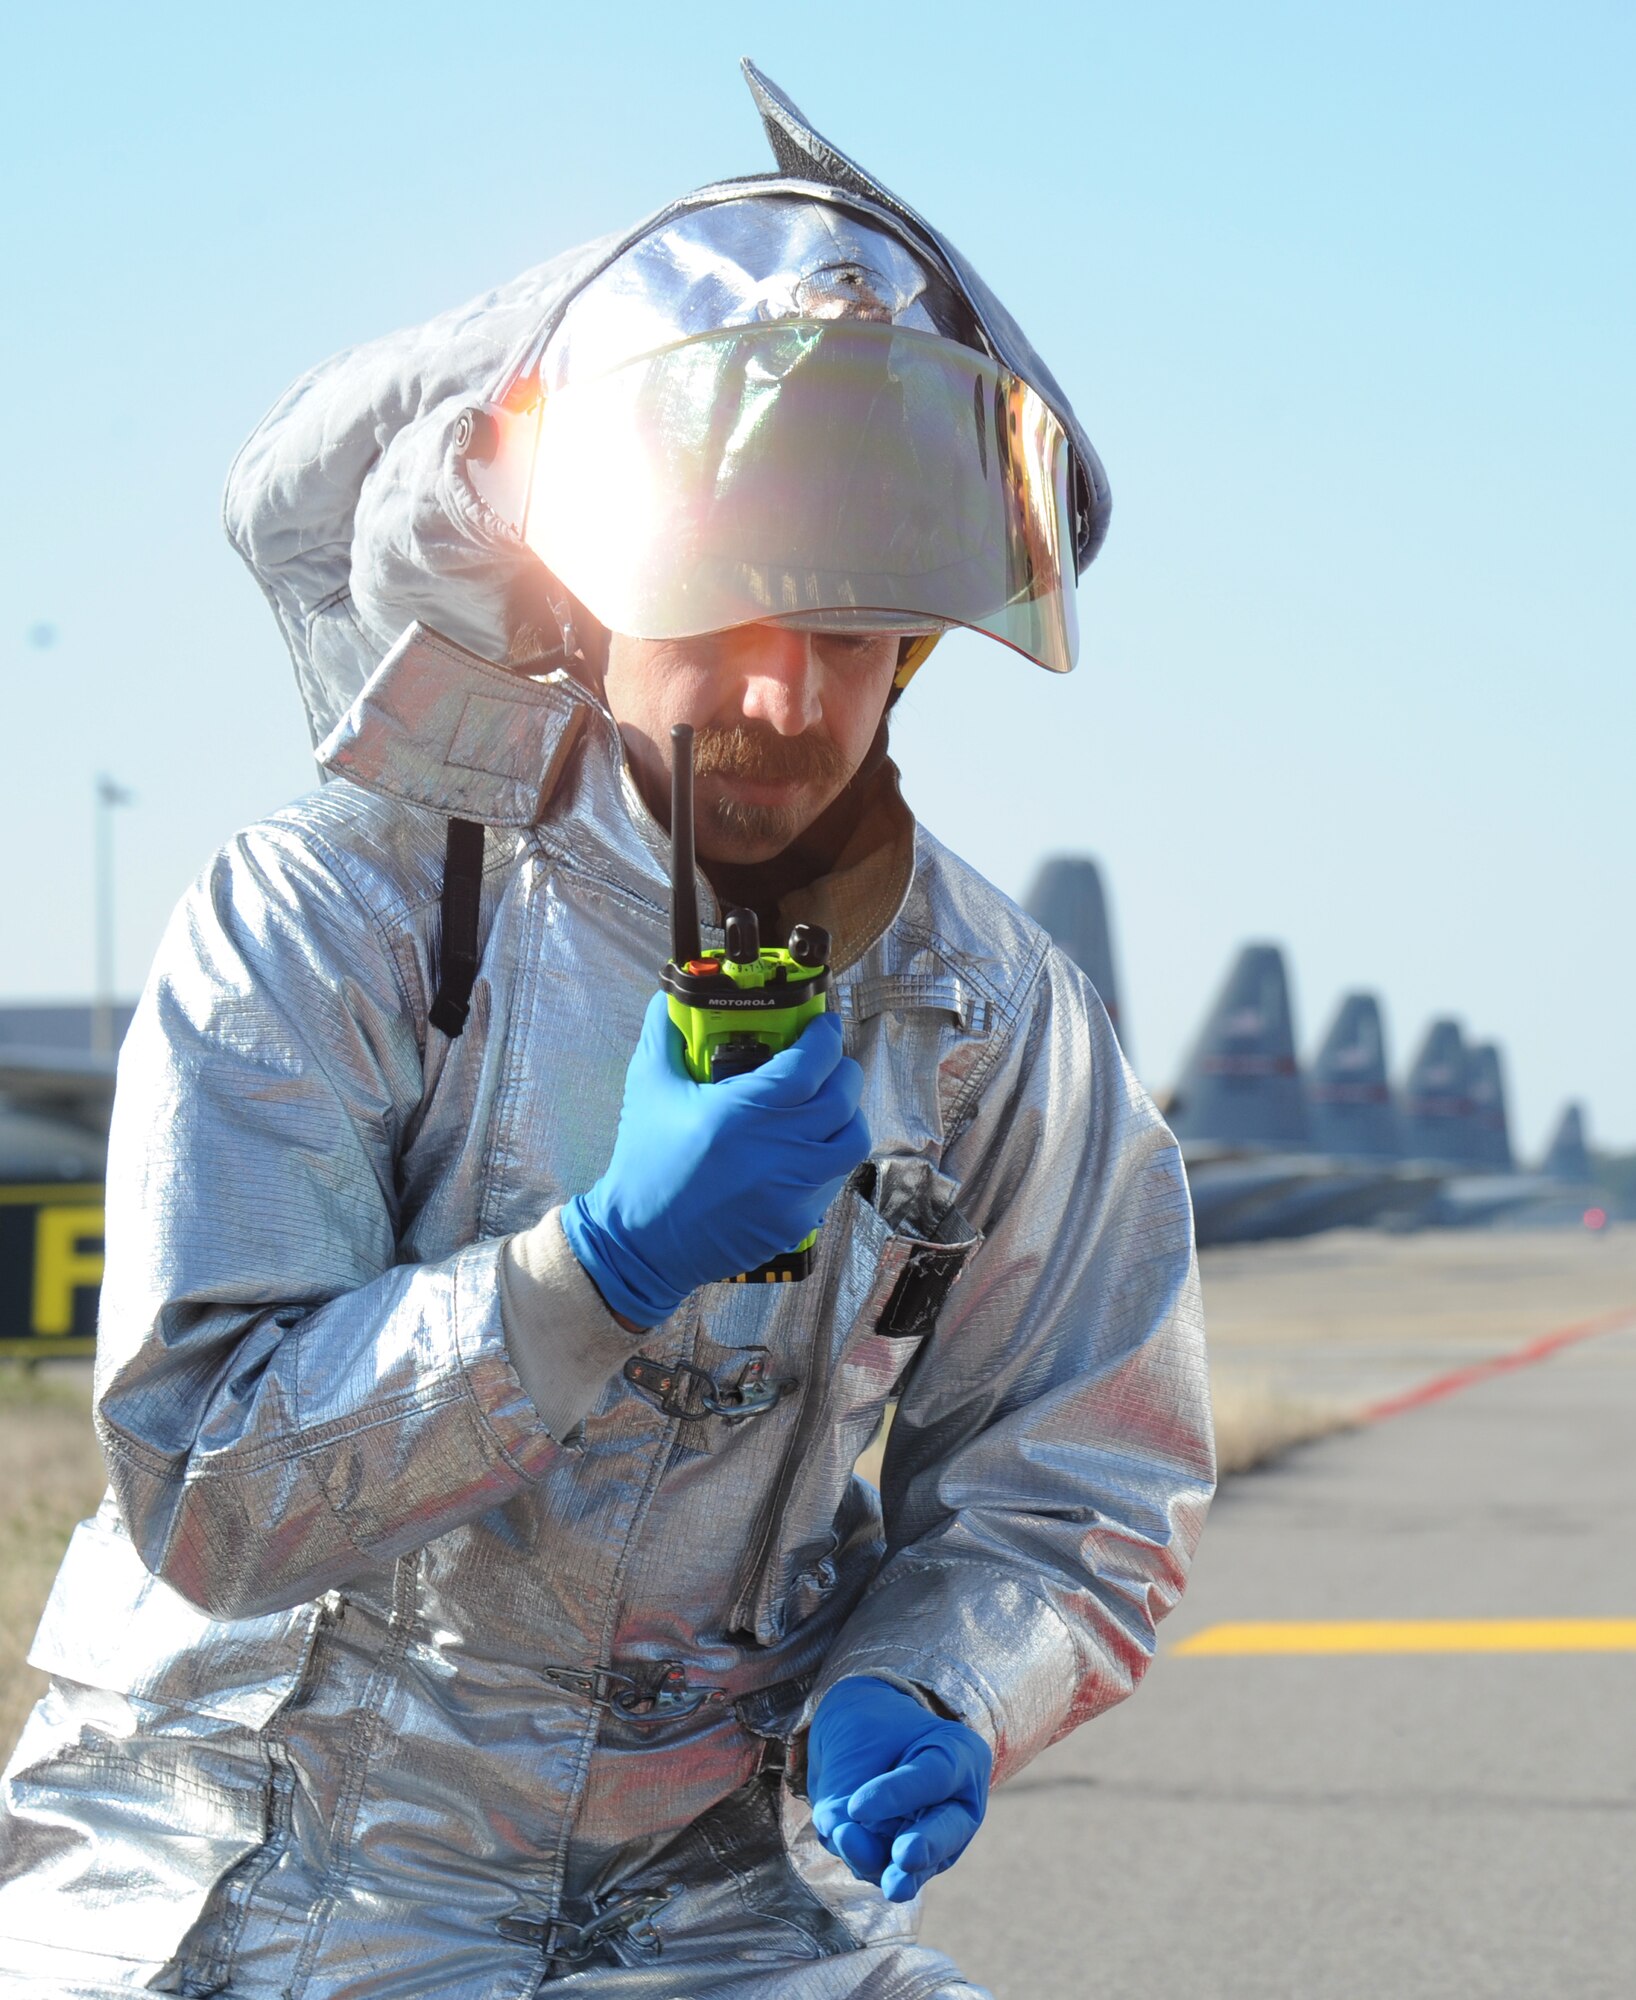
x=1067, y=897
x=1490, y=1129
x=1352, y=1109
x=1241, y=1085
x=1436, y=1106
x=1568, y=1158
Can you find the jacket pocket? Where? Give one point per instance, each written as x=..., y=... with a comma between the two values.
x=110, y=1624
x=893, y=1245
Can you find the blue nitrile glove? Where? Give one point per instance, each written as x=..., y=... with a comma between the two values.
x=897, y=1792
x=710, y=1179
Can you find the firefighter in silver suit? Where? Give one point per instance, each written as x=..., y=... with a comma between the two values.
x=485, y=1598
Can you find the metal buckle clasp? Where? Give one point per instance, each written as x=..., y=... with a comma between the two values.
x=561, y=1943
x=659, y=1694
x=682, y=1390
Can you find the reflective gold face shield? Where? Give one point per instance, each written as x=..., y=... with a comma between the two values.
x=798, y=467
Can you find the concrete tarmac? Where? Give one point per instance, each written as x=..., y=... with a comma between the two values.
x=1358, y=1314
x=1446, y=1825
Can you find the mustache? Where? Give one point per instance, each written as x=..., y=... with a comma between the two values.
x=760, y=754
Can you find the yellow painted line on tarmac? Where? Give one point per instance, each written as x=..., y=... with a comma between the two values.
x=1418, y=1635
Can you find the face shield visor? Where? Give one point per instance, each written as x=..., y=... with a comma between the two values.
x=826, y=472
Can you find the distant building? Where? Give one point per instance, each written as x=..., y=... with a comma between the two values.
x=55, y=1027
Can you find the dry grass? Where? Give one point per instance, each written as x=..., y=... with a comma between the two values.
x=1382, y=1311
x=1256, y=1422
x=53, y=1478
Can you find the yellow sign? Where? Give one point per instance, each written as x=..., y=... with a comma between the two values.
x=63, y=1264
x=50, y=1268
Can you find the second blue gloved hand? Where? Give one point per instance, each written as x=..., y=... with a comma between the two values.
x=708, y=1180
x=897, y=1792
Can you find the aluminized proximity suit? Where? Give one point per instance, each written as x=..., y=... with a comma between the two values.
x=351, y=1666
x=365, y=1684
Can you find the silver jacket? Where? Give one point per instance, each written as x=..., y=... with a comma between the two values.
x=365, y=1684
x=364, y=1678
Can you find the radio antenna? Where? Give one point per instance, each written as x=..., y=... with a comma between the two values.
x=685, y=942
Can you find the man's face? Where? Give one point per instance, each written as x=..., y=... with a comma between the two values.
x=781, y=720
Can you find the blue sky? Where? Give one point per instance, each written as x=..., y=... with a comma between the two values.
x=1344, y=296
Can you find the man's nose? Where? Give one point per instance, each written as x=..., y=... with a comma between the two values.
x=781, y=676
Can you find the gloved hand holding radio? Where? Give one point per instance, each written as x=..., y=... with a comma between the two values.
x=897, y=1792
x=708, y=1180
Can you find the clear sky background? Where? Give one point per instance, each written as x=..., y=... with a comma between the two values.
x=1343, y=294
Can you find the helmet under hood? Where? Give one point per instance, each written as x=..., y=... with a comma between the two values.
x=369, y=497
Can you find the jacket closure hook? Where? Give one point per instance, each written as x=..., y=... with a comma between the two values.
x=561, y=1943
x=682, y=1390
x=658, y=1695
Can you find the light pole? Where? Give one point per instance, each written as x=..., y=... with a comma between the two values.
x=108, y=796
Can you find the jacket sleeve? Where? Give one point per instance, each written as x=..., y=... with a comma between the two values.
x=282, y=1402
x=1051, y=1462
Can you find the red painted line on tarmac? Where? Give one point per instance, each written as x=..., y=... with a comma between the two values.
x=1497, y=1364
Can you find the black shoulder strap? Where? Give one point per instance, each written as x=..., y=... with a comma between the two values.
x=457, y=949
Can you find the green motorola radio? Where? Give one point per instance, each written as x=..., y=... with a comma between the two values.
x=736, y=1007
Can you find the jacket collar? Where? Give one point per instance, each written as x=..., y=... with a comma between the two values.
x=440, y=727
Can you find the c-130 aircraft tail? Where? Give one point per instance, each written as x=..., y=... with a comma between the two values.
x=1067, y=897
